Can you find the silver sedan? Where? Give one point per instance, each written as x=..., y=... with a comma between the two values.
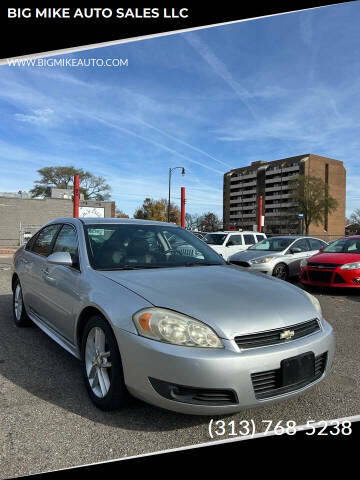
x=278, y=256
x=181, y=330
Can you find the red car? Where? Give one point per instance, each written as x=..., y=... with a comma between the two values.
x=337, y=265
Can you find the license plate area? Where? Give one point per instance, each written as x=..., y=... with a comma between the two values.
x=297, y=369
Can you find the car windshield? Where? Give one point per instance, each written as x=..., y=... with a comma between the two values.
x=344, y=245
x=214, y=238
x=138, y=246
x=273, y=244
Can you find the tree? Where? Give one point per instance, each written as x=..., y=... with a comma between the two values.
x=311, y=194
x=209, y=222
x=120, y=214
x=355, y=216
x=192, y=221
x=353, y=225
x=157, y=210
x=93, y=187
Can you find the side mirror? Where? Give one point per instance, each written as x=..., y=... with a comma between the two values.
x=321, y=249
x=230, y=243
x=295, y=250
x=60, y=258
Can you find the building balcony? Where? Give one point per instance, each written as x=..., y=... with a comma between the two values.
x=243, y=177
x=274, y=180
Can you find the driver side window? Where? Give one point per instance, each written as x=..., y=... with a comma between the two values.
x=234, y=240
x=66, y=241
x=302, y=245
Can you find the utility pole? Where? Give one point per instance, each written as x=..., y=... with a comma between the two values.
x=170, y=174
x=183, y=207
x=76, y=196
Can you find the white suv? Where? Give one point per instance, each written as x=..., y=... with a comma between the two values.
x=233, y=241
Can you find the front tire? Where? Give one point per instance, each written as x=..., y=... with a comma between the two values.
x=281, y=271
x=20, y=316
x=102, y=366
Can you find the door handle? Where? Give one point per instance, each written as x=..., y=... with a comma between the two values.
x=46, y=275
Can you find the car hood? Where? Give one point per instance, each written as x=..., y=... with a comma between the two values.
x=251, y=254
x=335, y=257
x=231, y=301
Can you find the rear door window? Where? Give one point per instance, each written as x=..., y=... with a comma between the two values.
x=249, y=239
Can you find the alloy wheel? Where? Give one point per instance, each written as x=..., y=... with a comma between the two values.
x=18, y=302
x=280, y=271
x=97, y=362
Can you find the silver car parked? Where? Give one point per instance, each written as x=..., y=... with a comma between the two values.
x=187, y=333
x=278, y=256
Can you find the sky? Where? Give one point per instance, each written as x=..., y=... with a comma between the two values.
x=208, y=100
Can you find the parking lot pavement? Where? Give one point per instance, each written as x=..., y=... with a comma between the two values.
x=47, y=421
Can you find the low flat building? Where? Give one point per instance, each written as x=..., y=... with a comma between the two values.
x=21, y=217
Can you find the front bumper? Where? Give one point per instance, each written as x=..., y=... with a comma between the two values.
x=227, y=369
x=326, y=277
x=266, y=268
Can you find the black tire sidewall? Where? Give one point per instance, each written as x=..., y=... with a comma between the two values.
x=286, y=271
x=117, y=396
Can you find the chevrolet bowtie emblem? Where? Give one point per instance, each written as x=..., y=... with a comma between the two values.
x=287, y=334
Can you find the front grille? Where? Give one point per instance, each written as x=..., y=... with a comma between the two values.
x=272, y=337
x=240, y=264
x=330, y=266
x=324, y=277
x=268, y=384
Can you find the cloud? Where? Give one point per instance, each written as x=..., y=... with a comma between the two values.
x=43, y=118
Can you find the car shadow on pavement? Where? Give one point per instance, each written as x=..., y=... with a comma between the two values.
x=29, y=359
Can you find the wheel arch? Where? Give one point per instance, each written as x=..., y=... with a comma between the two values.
x=83, y=318
x=14, y=278
x=281, y=263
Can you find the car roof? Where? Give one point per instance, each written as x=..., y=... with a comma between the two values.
x=237, y=232
x=110, y=220
x=295, y=237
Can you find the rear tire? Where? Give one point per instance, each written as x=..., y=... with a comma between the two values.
x=102, y=366
x=20, y=316
x=281, y=271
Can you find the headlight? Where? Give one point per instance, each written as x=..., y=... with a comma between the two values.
x=261, y=260
x=350, y=266
x=303, y=262
x=172, y=327
x=316, y=303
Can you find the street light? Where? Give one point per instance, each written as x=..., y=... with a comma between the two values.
x=170, y=173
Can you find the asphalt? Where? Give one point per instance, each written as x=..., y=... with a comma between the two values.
x=47, y=421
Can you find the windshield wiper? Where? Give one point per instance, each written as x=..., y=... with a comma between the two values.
x=193, y=264
x=128, y=267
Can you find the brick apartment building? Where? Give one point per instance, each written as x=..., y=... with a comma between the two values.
x=243, y=186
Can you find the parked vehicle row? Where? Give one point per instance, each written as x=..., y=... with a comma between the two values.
x=278, y=256
x=175, y=326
